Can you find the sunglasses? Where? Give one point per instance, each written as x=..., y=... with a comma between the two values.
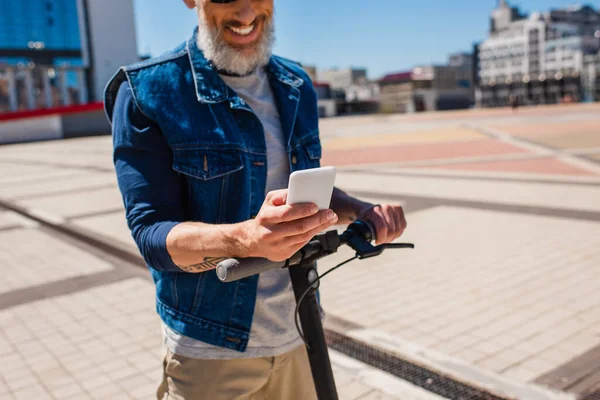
x=223, y=1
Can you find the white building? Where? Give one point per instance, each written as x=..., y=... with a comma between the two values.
x=521, y=46
x=111, y=40
x=542, y=47
x=366, y=91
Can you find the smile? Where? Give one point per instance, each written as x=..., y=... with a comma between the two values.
x=245, y=31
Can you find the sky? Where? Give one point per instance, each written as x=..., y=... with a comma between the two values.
x=380, y=35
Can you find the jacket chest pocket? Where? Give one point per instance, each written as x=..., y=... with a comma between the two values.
x=211, y=178
x=310, y=152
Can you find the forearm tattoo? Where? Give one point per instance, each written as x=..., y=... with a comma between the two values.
x=208, y=264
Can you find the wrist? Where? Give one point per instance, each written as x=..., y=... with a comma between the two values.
x=364, y=208
x=347, y=207
x=240, y=236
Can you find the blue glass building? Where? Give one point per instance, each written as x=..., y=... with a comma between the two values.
x=60, y=53
x=43, y=31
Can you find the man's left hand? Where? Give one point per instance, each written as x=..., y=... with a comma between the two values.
x=388, y=220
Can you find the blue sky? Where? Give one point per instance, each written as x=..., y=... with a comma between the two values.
x=381, y=35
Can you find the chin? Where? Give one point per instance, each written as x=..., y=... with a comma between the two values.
x=235, y=57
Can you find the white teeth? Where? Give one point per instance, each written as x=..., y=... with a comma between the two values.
x=243, y=31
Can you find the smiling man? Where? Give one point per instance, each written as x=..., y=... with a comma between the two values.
x=205, y=138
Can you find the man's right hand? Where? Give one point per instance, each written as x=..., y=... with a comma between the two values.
x=280, y=230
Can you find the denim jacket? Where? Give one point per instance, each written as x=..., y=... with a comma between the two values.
x=188, y=148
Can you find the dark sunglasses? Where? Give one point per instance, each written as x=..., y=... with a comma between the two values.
x=223, y=1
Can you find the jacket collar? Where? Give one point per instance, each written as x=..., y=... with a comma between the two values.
x=210, y=87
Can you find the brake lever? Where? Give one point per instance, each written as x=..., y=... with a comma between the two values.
x=367, y=250
x=363, y=248
x=397, y=246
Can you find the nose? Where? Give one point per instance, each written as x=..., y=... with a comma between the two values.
x=246, y=13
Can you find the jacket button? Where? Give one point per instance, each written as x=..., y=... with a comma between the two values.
x=294, y=160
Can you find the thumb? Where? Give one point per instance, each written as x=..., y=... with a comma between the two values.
x=278, y=197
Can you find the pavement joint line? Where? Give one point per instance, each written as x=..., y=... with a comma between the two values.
x=11, y=228
x=96, y=214
x=567, y=158
x=465, y=160
x=63, y=287
x=76, y=190
x=458, y=369
x=391, y=168
x=587, y=158
x=76, y=167
x=590, y=216
x=474, y=177
x=580, y=162
x=583, y=151
x=24, y=221
x=378, y=379
x=43, y=179
x=512, y=140
x=50, y=219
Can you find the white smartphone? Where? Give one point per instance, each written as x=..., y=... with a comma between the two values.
x=312, y=186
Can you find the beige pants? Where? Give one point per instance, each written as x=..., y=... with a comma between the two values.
x=285, y=377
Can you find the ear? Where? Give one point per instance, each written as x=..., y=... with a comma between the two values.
x=190, y=3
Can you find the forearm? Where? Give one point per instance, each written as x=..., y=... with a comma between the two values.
x=345, y=206
x=197, y=247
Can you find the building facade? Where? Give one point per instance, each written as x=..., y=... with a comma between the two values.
x=461, y=60
x=340, y=79
x=57, y=53
x=427, y=88
x=396, y=93
x=536, y=59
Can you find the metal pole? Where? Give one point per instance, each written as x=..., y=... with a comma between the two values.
x=310, y=319
x=62, y=83
x=47, y=87
x=12, y=89
x=29, y=89
x=82, y=86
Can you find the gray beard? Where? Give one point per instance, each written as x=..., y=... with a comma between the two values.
x=230, y=59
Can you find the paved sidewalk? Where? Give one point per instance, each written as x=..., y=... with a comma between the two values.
x=504, y=209
x=76, y=326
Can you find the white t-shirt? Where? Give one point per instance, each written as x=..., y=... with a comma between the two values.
x=273, y=331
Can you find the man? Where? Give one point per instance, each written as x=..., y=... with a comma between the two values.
x=205, y=137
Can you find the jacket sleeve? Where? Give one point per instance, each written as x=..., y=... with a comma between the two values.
x=148, y=184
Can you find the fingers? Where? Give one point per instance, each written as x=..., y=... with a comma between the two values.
x=298, y=234
x=277, y=197
x=287, y=213
x=403, y=223
x=305, y=229
x=397, y=214
x=390, y=220
x=381, y=228
x=398, y=220
x=276, y=211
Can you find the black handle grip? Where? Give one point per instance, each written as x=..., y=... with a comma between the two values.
x=234, y=269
